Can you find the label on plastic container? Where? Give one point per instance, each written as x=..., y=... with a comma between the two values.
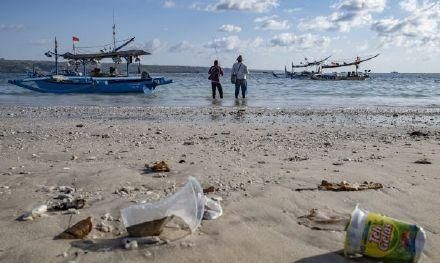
x=387, y=238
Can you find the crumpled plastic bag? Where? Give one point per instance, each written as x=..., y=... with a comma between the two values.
x=213, y=209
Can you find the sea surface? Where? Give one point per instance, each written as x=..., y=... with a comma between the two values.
x=264, y=90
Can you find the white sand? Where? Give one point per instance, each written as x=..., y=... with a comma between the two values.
x=243, y=154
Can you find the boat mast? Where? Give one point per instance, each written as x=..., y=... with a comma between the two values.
x=114, y=32
x=56, y=56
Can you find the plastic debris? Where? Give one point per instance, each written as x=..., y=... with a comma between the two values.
x=345, y=186
x=383, y=238
x=213, y=209
x=77, y=231
x=67, y=204
x=158, y=167
x=36, y=212
x=324, y=220
x=187, y=204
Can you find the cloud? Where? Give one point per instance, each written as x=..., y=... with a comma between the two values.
x=40, y=42
x=169, y=4
x=258, y=6
x=408, y=5
x=154, y=45
x=181, y=47
x=229, y=28
x=11, y=27
x=233, y=44
x=347, y=14
x=306, y=41
x=420, y=28
x=271, y=23
x=293, y=10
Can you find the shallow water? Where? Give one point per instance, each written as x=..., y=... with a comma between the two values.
x=414, y=90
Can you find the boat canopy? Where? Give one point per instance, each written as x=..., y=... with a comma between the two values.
x=113, y=54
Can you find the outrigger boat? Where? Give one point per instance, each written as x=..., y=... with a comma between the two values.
x=305, y=74
x=354, y=75
x=75, y=82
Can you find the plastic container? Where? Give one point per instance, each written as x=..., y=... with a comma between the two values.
x=384, y=238
x=188, y=204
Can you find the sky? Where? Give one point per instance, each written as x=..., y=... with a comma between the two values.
x=268, y=33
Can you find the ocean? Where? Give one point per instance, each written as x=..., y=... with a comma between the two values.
x=264, y=90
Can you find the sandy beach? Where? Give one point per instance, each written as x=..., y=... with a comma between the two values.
x=255, y=158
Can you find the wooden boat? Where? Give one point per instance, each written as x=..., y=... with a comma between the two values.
x=99, y=83
x=305, y=74
x=354, y=75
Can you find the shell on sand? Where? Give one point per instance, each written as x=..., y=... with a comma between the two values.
x=77, y=231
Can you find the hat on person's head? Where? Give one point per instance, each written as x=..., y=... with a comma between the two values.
x=240, y=58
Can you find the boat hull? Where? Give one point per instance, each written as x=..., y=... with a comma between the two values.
x=290, y=75
x=89, y=85
x=337, y=77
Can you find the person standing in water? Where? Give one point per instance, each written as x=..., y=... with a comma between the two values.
x=214, y=75
x=241, y=71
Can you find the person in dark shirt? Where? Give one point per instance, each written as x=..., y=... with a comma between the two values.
x=214, y=75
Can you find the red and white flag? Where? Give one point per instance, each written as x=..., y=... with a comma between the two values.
x=75, y=39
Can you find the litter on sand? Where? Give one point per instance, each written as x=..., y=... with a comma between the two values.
x=318, y=219
x=66, y=204
x=158, y=167
x=213, y=209
x=383, y=238
x=77, y=231
x=345, y=186
x=39, y=211
x=188, y=204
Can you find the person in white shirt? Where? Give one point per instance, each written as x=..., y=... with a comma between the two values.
x=241, y=71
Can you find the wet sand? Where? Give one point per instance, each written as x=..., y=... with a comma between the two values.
x=255, y=158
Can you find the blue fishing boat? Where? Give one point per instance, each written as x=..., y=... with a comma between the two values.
x=79, y=84
x=73, y=81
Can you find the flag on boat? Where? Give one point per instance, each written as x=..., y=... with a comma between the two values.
x=75, y=39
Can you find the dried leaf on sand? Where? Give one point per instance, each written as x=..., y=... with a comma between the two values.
x=324, y=220
x=77, y=231
x=158, y=167
x=345, y=186
x=208, y=190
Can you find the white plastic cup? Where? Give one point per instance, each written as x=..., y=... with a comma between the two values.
x=188, y=204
